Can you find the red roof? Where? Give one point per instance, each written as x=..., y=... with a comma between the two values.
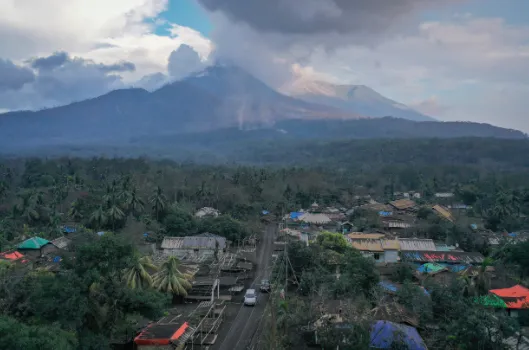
x=156, y=334
x=12, y=255
x=516, y=297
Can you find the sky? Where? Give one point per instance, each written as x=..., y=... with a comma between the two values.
x=451, y=59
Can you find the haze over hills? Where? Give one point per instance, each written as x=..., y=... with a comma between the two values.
x=213, y=101
x=358, y=98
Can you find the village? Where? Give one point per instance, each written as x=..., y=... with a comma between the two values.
x=211, y=314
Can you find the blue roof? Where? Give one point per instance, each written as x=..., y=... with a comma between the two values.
x=388, y=286
x=385, y=333
x=385, y=213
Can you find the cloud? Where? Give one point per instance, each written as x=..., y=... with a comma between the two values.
x=50, y=62
x=310, y=17
x=13, y=77
x=61, y=79
x=184, y=61
x=83, y=49
x=118, y=67
x=430, y=106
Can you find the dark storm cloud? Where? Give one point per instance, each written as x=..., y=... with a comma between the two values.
x=51, y=62
x=318, y=16
x=13, y=77
x=118, y=67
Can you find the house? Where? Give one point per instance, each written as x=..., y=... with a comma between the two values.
x=207, y=212
x=36, y=247
x=414, y=244
x=443, y=212
x=391, y=223
x=314, y=219
x=442, y=257
x=361, y=235
x=369, y=248
x=516, y=299
x=13, y=256
x=444, y=195
x=381, y=250
x=403, y=204
x=169, y=333
x=195, y=248
x=345, y=227
x=391, y=249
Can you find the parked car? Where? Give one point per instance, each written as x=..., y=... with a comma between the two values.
x=265, y=286
x=250, y=298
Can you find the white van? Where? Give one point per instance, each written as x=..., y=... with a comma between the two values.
x=250, y=298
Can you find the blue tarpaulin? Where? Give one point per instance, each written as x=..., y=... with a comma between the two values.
x=474, y=226
x=68, y=229
x=265, y=212
x=57, y=259
x=384, y=334
x=146, y=234
x=385, y=213
x=388, y=286
x=512, y=234
x=100, y=233
x=295, y=215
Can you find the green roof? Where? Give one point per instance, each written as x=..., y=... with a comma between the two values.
x=33, y=243
x=491, y=300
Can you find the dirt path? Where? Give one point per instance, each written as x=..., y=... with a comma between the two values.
x=244, y=326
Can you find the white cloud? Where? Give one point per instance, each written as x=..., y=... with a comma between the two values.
x=106, y=32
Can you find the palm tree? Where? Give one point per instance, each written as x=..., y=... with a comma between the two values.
x=98, y=218
x=114, y=214
x=75, y=213
x=134, y=203
x=158, y=202
x=477, y=281
x=137, y=276
x=171, y=280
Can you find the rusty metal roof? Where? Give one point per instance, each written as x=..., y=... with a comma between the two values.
x=409, y=244
x=403, y=204
x=443, y=212
x=390, y=244
x=61, y=242
x=370, y=245
x=361, y=235
x=194, y=242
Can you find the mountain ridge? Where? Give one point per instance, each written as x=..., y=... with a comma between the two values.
x=360, y=98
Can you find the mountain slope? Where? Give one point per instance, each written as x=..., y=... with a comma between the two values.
x=219, y=97
x=353, y=98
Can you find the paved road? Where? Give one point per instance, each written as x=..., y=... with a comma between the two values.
x=244, y=326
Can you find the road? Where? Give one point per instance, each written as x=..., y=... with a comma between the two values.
x=244, y=326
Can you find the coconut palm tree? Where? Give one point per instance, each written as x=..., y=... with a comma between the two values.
x=158, y=202
x=137, y=276
x=171, y=279
x=114, y=214
x=134, y=203
x=75, y=213
x=98, y=218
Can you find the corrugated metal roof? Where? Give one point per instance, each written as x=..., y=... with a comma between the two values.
x=315, y=218
x=403, y=204
x=516, y=297
x=412, y=244
x=443, y=212
x=61, y=242
x=443, y=257
x=370, y=245
x=361, y=235
x=390, y=244
x=193, y=242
